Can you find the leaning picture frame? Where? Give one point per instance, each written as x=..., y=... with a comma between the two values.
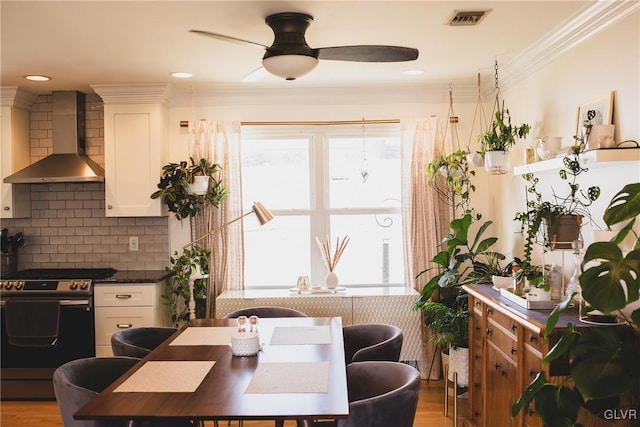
x=602, y=112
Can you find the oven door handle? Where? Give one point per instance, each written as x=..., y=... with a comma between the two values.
x=67, y=303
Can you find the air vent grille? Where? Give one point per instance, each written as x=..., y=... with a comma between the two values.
x=467, y=18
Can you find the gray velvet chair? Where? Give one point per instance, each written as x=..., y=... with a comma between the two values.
x=77, y=382
x=266, y=312
x=138, y=342
x=372, y=342
x=381, y=394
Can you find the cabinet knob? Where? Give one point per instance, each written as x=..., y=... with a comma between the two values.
x=476, y=414
x=514, y=326
x=6, y=208
x=533, y=338
x=476, y=385
x=503, y=373
x=497, y=366
x=489, y=311
x=532, y=373
x=477, y=328
x=477, y=303
x=513, y=350
x=123, y=296
x=476, y=357
x=109, y=206
x=489, y=331
x=531, y=412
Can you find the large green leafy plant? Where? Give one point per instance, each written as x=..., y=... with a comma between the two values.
x=604, y=361
x=464, y=260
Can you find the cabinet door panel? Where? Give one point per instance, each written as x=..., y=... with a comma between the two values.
x=501, y=383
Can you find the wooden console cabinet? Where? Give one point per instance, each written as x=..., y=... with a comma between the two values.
x=506, y=352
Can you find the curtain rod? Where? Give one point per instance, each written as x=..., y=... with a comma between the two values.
x=323, y=123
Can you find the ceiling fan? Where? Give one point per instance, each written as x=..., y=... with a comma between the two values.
x=291, y=57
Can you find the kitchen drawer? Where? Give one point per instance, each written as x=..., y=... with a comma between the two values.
x=124, y=295
x=113, y=319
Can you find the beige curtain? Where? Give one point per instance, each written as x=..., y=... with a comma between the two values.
x=426, y=216
x=220, y=143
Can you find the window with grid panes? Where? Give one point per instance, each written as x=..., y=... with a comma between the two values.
x=334, y=181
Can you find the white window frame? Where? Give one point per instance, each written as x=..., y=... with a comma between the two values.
x=319, y=212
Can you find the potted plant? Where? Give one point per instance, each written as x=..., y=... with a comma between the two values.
x=603, y=360
x=178, y=292
x=176, y=187
x=496, y=142
x=450, y=176
x=560, y=220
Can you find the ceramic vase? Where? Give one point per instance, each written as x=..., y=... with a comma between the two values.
x=331, y=280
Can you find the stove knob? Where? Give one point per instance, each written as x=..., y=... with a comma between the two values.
x=19, y=285
x=85, y=285
x=2, y=283
x=74, y=286
x=8, y=285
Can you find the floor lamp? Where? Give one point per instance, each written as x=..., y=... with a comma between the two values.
x=263, y=215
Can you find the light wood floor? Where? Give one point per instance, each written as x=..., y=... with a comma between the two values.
x=45, y=414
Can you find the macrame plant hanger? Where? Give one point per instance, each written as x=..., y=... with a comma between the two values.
x=452, y=121
x=474, y=158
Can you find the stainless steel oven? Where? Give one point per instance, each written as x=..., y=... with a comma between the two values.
x=33, y=301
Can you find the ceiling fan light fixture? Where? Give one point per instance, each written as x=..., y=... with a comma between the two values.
x=289, y=67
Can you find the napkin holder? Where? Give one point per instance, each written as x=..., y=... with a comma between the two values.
x=245, y=344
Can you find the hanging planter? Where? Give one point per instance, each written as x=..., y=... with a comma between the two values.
x=475, y=159
x=199, y=186
x=497, y=162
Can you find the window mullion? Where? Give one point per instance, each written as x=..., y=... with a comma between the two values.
x=319, y=218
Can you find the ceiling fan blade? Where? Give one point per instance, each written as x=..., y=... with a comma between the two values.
x=257, y=74
x=368, y=53
x=229, y=39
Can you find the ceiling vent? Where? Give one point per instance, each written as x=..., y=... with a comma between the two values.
x=467, y=18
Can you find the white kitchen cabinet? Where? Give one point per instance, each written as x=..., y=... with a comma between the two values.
x=135, y=147
x=15, y=150
x=123, y=306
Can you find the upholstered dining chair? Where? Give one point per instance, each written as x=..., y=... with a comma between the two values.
x=138, y=342
x=381, y=394
x=77, y=382
x=265, y=312
x=372, y=342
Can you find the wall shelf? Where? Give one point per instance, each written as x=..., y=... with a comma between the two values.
x=604, y=157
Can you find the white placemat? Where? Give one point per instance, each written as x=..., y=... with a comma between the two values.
x=196, y=335
x=167, y=376
x=294, y=377
x=300, y=335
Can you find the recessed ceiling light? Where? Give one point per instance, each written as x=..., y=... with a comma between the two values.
x=413, y=72
x=182, y=75
x=37, y=78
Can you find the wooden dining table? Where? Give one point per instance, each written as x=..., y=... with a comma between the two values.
x=299, y=373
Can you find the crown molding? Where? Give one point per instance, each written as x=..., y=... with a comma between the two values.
x=13, y=96
x=143, y=93
x=593, y=19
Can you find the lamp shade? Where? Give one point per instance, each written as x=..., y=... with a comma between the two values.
x=262, y=213
x=289, y=67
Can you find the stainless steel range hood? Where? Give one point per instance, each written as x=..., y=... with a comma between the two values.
x=68, y=162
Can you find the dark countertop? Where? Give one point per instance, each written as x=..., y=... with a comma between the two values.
x=136, y=276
